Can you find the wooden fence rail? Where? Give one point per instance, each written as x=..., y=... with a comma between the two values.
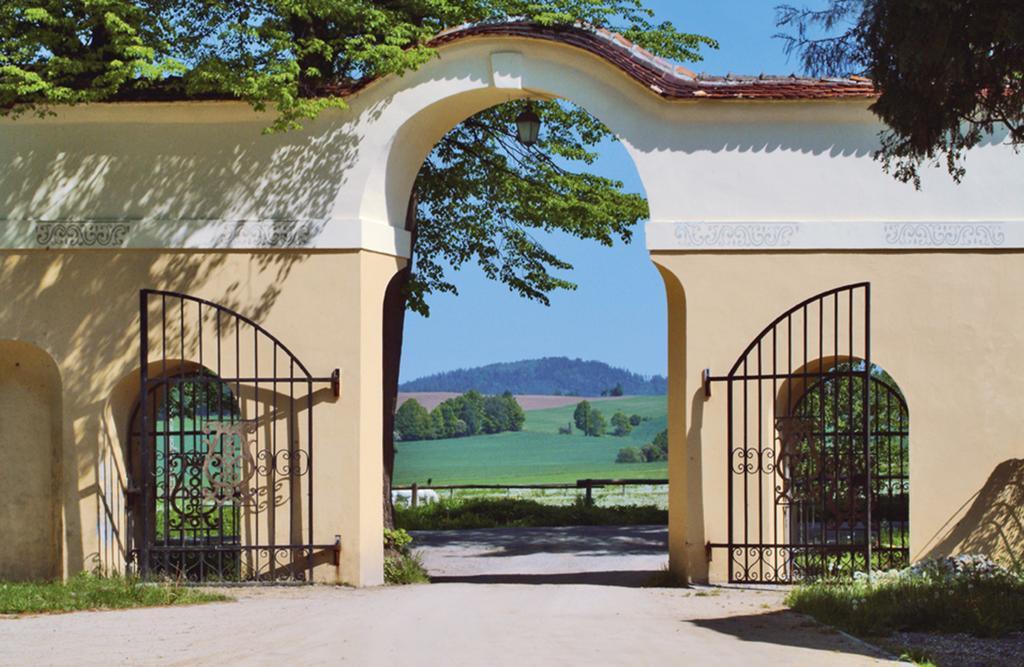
x=587, y=484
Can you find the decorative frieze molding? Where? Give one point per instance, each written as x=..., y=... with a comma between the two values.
x=736, y=234
x=81, y=234
x=945, y=235
x=177, y=234
x=870, y=235
x=267, y=234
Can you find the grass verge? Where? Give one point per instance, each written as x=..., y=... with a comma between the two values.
x=88, y=591
x=520, y=513
x=981, y=606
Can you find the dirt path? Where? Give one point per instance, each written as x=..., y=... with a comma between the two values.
x=616, y=555
x=441, y=624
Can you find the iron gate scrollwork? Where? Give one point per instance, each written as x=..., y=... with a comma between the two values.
x=222, y=446
x=817, y=447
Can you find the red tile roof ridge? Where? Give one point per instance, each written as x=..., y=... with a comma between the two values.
x=667, y=79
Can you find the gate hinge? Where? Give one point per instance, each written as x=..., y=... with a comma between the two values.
x=336, y=385
x=706, y=378
x=337, y=550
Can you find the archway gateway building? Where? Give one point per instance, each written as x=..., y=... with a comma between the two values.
x=262, y=262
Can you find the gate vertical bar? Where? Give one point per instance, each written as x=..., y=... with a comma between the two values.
x=867, y=419
x=760, y=470
x=746, y=478
x=729, y=476
x=309, y=480
x=143, y=549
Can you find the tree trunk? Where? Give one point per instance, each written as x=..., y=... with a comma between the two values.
x=394, y=325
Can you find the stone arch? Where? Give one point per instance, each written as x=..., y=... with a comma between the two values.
x=31, y=414
x=412, y=113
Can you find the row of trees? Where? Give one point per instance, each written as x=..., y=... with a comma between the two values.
x=552, y=376
x=656, y=450
x=590, y=420
x=469, y=414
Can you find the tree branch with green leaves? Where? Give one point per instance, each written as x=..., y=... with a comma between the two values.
x=950, y=72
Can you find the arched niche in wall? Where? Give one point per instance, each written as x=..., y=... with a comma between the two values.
x=30, y=444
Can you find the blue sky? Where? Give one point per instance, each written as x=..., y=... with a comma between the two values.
x=617, y=314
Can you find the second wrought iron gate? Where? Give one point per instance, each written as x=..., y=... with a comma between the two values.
x=817, y=456
x=222, y=448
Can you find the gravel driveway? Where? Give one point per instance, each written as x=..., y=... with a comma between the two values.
x=547, y=596
x=441, y=624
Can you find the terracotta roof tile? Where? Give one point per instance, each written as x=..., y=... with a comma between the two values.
x=669, y=80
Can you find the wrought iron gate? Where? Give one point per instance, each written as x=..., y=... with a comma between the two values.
x=817, y=448
x=222, y=448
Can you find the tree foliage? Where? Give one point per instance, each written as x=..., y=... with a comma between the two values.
x=950, y=72
x=412, y=421
x=589, y=420
x=298, y=55
x=621, y=425
x=581, y=415
x=629, y=455
x=656, y=450
x=469, y=414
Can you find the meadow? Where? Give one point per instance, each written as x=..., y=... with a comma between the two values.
x=538, y=454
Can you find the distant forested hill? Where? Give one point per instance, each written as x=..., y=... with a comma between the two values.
x=550, y=375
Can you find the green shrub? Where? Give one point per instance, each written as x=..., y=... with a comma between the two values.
x=397, y=540
x=963, y=594
x=519, y=512
x=401, y=565
x=404, y=569
x=629, y=455
x=621, y=425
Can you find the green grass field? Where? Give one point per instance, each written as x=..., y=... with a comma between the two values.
x=537, y=454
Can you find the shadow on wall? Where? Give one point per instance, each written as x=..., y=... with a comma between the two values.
x=994, y=523
x=190, y=173
x=81, y=307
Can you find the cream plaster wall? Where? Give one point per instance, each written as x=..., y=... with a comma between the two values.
x=81, y=307
x=945, y=325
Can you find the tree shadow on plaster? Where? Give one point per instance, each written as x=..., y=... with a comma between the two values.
x=993, y=523
x=187, y=173
x=82, y=308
